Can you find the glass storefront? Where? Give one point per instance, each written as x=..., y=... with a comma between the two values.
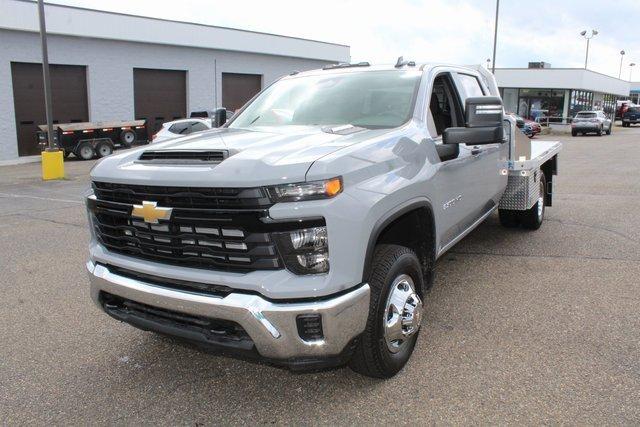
x=555, y=103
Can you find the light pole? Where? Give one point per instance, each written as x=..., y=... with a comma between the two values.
x=488, y=63
x=621, y=57
x=633, y=64
x=590, y=35
x=495, y=38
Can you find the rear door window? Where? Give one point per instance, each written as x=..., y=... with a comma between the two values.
x=470, y=86
x=198, y=127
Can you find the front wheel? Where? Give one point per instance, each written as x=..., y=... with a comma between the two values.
x=395, y=313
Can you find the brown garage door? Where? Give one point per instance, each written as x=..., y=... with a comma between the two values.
x=237, y=89
x=68, y=95
x=160, y=95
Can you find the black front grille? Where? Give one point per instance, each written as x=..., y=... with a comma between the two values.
x=184, y=197
x=187, y=156
x=199, y=234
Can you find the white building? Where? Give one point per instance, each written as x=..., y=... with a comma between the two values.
x=558, y=92
x=108, y=66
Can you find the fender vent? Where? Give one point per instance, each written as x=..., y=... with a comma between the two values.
x=183, y=156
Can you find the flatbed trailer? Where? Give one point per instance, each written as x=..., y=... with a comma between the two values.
x=87, y=140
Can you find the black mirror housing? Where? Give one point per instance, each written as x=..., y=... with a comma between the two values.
x=483, y=123
x=473, y=136
x=219, y=117
x=483, y=111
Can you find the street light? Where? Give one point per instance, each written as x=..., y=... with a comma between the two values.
x=495, y=38
x=590, y=35
x=633, y=64
x=488, y=63
x=621, y=56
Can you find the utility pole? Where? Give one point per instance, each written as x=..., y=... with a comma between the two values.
x=52, y=158
x=495, y=38
x=47, y=79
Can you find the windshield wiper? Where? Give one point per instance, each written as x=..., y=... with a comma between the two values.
x=254, y=120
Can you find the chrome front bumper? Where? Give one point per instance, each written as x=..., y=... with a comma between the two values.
x=270, y=325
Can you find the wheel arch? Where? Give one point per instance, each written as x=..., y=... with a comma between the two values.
x=406, y=225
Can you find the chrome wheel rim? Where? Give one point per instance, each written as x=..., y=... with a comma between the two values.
x=128, y=137
x=105, y=151
x=541, y=201
x=403, y=313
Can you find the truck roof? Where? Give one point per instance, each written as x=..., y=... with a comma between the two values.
x=361, y=67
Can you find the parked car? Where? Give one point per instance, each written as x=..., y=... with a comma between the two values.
x=305, y=232
x=631, y=116
x=622, y=107
x=591, y=122
x=181, y=127
x=528, y=127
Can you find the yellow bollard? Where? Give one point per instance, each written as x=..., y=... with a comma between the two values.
x=52, y=165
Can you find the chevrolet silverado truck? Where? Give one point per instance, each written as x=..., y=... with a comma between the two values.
x=304, y=232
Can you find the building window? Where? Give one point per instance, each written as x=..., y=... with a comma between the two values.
x=536, y=103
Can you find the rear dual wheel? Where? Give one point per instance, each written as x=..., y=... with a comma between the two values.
x=532, y=218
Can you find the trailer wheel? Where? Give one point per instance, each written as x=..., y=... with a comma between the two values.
x=508, y=218
x=395, y=312
x=85, y=151
x=104, y=149
x=66, y=153
x=532, y=218
x=127, y=138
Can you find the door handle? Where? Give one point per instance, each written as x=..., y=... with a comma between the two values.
x=476, y=150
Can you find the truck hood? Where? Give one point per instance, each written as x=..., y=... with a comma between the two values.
x=260, y=156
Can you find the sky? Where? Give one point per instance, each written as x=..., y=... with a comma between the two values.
x=453, y=31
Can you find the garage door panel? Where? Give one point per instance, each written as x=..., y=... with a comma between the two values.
x=160, y=95
x=237, y=89
x=68, y=96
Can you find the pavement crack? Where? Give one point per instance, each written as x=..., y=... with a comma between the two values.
x=580, y=257
x=53, y=221
x=595, y=227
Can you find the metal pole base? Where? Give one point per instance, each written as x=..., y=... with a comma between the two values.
x=52, y=165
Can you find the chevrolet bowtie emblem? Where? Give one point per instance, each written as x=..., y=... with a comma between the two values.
x=150, y=212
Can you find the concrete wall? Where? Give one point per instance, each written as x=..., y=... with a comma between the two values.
x=110, y=66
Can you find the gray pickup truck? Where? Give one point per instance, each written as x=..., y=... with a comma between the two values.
x=304, y=232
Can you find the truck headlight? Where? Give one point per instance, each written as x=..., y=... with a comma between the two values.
x=312, y=190
x=304, y=251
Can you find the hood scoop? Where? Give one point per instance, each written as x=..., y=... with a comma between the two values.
x=183, y=157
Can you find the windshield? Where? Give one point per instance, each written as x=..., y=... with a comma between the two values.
x=586, y=115
x=633, y=110
x=372, y=99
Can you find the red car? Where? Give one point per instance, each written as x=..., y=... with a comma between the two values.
x=535, y=126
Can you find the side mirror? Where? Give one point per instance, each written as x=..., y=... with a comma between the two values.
x=483, y=123
x=219, y=117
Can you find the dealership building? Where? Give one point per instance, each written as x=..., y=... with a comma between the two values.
x=108, y=66
x=558, y=93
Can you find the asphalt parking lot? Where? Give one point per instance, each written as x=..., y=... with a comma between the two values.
x=520, y=327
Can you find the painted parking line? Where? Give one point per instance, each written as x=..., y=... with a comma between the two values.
x=49, y=199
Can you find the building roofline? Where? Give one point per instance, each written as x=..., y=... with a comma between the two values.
x=561, y=69
x=180, y=22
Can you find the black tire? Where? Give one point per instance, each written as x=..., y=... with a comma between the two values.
x=66, y=153
x=574, y=133
x=85, y=151
x=104, y=149
x=531, y=219
x=127, y=138
x=373, y=356
x=508, y=218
